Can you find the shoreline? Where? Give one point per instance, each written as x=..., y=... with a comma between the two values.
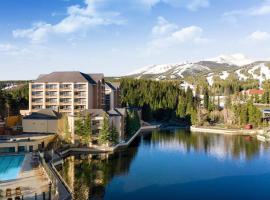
x=226, y=131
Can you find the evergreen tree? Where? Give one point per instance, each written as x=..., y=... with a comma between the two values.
x=181, y=108
x=114, y=135
x=206, y=99
x=83, y=128
x=104, y=136
x=79, y=127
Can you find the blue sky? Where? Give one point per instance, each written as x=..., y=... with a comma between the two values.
x=118, y=36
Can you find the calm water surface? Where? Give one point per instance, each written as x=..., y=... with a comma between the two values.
x=174, y=165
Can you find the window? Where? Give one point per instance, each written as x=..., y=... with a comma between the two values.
x=65, y=94
x=49, y=93
x=37, y=86
x=37, y=100
x=66, y=86
x=37, y=107
x=65, y=100
x=51, y=86
x=34, y=93
x=51, y=100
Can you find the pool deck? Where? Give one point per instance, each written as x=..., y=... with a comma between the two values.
x=30, y=180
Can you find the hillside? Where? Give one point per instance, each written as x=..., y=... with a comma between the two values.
x=220, y=67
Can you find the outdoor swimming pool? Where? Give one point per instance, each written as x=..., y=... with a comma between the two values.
x=10, y=166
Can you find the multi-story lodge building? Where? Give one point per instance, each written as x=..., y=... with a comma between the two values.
x=67, y=92
x=112, y=95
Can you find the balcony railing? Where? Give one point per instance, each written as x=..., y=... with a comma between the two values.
x=37, y=94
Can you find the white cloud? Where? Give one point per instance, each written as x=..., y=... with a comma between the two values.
x=262, y=9
x=9, y=49
x=163, y=27
x=78, y=18
x=259, y=36
x=196, y=4
x=192, y=5
x=166, y=35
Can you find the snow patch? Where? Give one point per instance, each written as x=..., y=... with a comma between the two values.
x=241, y=77
x=209, y=79
x=224, y=75
x=234, y=59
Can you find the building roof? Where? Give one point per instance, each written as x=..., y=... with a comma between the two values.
x=93, y=112
x=117, y=112
x=68, y=76
x=97, y=77
x=113, y=85
x=44, y=114
x=254, y=91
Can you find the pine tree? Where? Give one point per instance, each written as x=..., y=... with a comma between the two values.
x=206, y=99
x=114, y=135
x=104, y=136
x=181, y=108
x=79, y=128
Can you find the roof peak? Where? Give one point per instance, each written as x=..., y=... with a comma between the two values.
x=69, y=76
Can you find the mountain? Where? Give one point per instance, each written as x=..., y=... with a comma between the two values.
x=234, y=59
x=222, y=67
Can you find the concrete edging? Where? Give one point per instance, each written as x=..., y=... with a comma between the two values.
x=225, y=131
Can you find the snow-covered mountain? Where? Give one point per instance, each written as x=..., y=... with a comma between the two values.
x=234, y=59
x=220, y=67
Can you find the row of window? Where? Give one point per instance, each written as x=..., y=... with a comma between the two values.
x=55, y=86
x=55, y=107
x=62, y=93
x=62, y=100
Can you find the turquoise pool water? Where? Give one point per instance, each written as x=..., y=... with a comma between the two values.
x=10, y=166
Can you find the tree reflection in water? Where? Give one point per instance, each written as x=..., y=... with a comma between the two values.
x=88, y=175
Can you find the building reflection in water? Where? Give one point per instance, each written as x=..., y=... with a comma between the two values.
x=89, y=175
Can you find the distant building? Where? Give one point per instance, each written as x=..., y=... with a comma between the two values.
x=266, y=114
x=67, y=92
x=42, y=121
x=112, y=95
x=251, y=92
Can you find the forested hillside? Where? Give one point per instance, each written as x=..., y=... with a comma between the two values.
x=12, y=100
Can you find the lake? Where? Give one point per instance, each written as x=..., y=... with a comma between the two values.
x=174, y=164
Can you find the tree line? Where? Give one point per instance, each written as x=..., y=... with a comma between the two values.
x=159, y=100
x=13, y=100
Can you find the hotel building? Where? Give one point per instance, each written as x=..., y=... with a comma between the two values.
x=67, y=92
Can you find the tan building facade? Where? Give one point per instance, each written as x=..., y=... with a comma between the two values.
x=42, y=121
x=67, y=92
x=112, y=95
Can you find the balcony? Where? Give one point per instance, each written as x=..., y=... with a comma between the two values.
x=51, y=88
x=65, y=108
x=65, y=94
x=37, y=103
x=52, y=107
x=37, y=94
x=80, y=94
x=80, y=102
x=36, y=107
x=37, y=87
x=79, y=108
x=66, y=87
x=80, y=87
